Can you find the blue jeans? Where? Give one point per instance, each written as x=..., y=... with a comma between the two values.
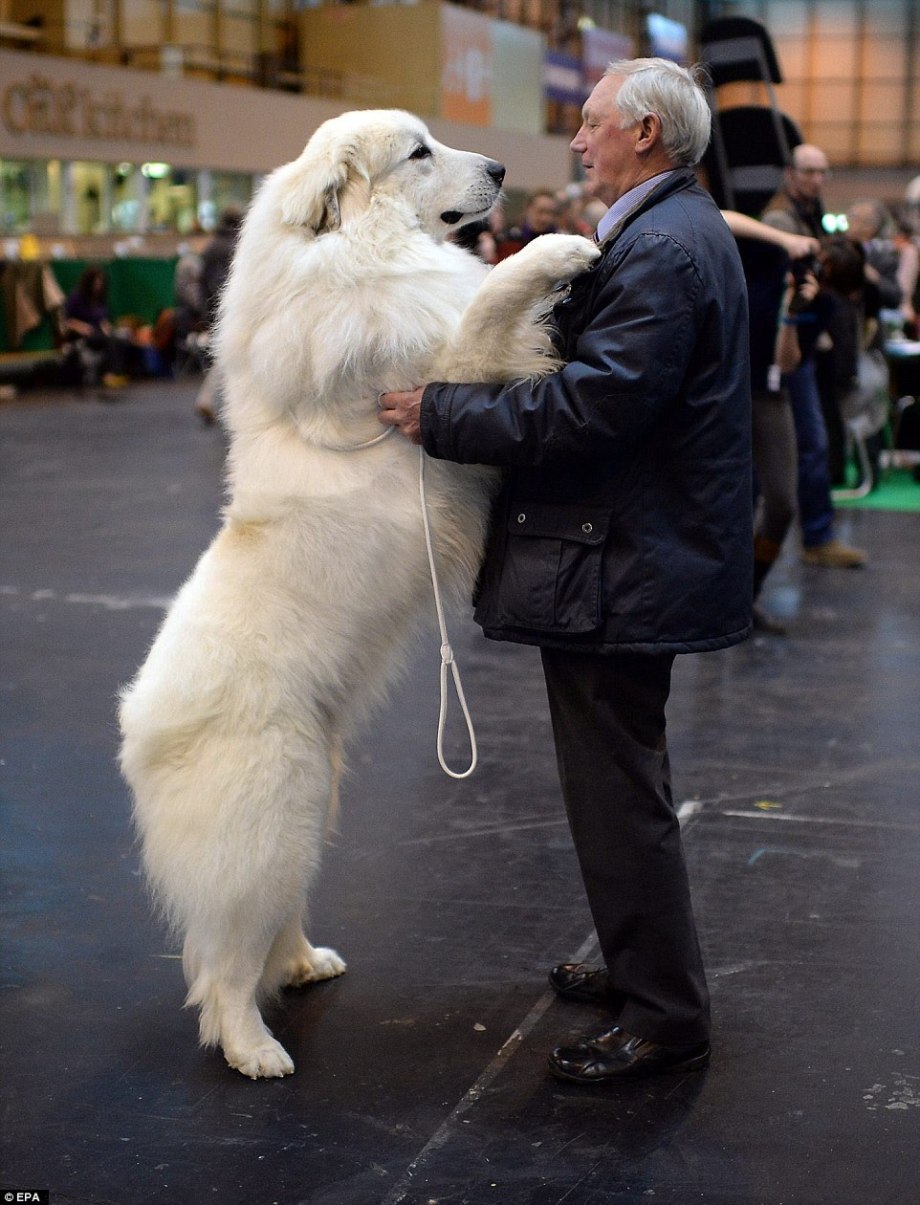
x=816, y=508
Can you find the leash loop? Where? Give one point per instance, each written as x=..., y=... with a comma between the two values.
x=447, y=653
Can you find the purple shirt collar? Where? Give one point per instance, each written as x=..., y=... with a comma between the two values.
x=627, y=203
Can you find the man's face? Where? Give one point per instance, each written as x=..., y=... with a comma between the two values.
x=808, y=173
x=607, y=152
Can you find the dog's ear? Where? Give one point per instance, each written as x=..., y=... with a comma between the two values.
x=313, y=198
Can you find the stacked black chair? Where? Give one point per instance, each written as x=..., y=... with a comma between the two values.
x=751, y=144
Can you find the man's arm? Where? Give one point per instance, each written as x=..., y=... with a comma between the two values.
x=629, y=363
x=796, y=246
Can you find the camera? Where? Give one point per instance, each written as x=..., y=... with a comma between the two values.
x=801, y=267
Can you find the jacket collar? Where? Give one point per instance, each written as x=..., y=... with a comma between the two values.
x=675, y=181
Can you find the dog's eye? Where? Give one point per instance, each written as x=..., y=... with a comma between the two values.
x=421, y=152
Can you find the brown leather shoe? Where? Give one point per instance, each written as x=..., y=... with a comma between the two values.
x=834, y=555
x=614, y=1054
x=580, y=982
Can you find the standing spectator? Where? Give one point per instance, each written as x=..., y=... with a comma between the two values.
x=867, y=224
x=188, y=292
x=856, y=339
x=800, y=210
x=215, y=267
x=623, y=537
x=773, y=297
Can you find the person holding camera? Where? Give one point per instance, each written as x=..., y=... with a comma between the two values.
x=800, y=210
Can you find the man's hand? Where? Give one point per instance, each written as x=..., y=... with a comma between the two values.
x=401, y=410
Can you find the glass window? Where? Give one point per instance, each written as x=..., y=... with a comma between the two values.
x=834, y=101
x=792, y=53
x=848, y=61
x=142, y=23
x=836, y=139
x=91, y=193
x=880, y=144
x=887, y=16
x=835, y=19
x=15, y=195
x=194, y=24
x=172, y=198
x=89, y=24
x=129, y=189
x=885, y=58
x=230, y=188
x=785, y=17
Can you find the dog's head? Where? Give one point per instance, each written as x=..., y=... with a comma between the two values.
x=386, y=153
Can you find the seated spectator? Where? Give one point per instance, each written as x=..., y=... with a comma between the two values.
x=88, y=328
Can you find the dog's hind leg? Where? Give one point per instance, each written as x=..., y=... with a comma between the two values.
x=225, y=986
x=293, y=962
x=244, y=938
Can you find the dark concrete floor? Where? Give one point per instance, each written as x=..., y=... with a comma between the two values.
x=421, y=1073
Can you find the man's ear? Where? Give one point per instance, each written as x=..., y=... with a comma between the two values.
x=648, y=136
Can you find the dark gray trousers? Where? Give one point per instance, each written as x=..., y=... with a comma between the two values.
x=608, y=715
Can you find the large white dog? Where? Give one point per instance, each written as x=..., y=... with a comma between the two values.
x=342, y=286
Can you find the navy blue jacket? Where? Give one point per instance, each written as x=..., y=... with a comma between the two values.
x=625, y=521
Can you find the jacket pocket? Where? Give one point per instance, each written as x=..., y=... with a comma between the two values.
x=551, y=571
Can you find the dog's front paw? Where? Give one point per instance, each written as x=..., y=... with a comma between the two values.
x=266, y=1061
x=321, y=963
x=560, y=257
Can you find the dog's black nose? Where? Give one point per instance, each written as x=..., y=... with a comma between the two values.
x=496, y=171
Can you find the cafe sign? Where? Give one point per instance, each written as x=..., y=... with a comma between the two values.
x=36, y=106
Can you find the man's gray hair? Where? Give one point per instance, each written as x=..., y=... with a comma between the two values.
x=675, y=95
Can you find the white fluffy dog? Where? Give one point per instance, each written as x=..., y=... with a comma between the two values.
x=342, y=286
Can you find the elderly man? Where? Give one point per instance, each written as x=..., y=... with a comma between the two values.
x=623, y=537
x=799, y=209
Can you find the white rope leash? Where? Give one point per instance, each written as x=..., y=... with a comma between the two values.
x=447, y=653
x=368, y=443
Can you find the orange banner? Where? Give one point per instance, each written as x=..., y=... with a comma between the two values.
x=466, y=76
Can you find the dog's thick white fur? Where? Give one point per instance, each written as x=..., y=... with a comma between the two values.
x=296, y=617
